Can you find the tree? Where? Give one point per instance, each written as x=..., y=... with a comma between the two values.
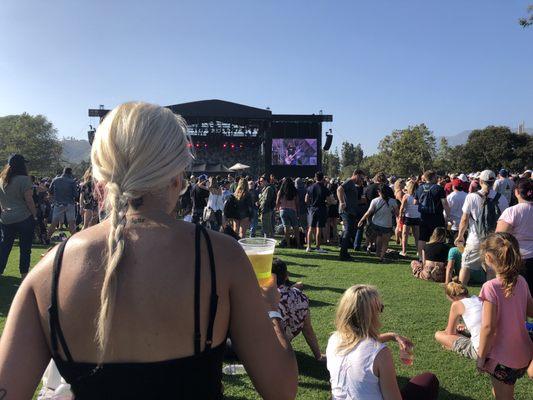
x=445, y=159
x=408, y=151
x=373, y=164
x=528, y=20
x=351, y=155
x=331, y=163
x=493, y=147
x=35, y=138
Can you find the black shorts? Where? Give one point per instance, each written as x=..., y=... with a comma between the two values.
x=411, y=221
x=507, y=375
x=428, y=223
x=318, y=217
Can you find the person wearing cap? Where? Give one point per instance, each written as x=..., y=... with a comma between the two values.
x=464, y=182
x=18, y=212
x=65, y=192
x=472, y=267
x=456, y=200
x=504, y=185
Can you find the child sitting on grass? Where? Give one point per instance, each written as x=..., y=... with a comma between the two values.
x=505, y=349
x=469, y=309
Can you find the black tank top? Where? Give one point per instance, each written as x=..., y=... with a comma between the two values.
x=195, y=377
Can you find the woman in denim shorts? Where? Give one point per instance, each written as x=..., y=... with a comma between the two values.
x=287, y=204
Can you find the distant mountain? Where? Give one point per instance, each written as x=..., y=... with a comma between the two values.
x=75, y=150
x=462, y=137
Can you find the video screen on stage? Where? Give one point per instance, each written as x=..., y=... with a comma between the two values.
x=294, y=152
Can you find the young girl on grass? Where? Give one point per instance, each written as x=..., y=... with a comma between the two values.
x=469, y=309
x=505, y=349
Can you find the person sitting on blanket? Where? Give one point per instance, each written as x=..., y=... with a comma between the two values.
x=433, y=266
x=461, y=338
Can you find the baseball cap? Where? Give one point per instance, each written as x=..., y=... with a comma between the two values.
x=463, y=177
x=487, y=175
x=202, y=177
x=16, y=159
x=503, y=172
x=457, y=182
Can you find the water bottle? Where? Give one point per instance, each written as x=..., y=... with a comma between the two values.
x=234, y=369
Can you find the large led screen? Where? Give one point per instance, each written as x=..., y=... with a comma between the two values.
x=294, y=152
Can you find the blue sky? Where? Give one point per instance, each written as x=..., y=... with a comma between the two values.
x=375, y=65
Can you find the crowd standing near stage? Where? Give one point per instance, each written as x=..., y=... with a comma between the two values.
x=473, y=228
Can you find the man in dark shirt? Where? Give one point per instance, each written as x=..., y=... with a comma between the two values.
x=64, y=192
x=318, y=196
x=372, y=189
x=431, y=200
x=199, y=196
x=348, y=195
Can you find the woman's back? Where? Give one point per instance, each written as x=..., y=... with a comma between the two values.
x=12, y=203
x=472, y=317
x=351, y=374
x=411, y=209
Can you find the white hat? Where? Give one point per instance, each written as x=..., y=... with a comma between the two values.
x=487, y=176
x=463, y=177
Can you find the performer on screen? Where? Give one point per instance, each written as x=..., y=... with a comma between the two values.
x=291, y=153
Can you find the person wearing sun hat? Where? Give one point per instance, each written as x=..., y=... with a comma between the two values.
x=18, y=212
x=472, y=266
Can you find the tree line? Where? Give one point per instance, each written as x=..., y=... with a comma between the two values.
x=410, y=151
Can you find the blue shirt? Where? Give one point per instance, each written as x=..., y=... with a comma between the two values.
x=63, y=188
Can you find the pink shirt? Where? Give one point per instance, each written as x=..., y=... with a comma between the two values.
x=512, y=346
x=520, y=217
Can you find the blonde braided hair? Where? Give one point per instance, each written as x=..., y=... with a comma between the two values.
x=139, y=148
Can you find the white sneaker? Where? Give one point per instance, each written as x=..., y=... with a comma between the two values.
x=321, y=251
x=308, y=250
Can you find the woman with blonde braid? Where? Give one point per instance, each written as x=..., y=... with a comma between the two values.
x=505, y=349
x=150, y=318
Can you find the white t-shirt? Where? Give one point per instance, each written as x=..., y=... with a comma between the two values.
x=382, y=212
x=472, y=206
x=351, y=374
x=505, y=186
x=520, y=217
x=472, y=317
x=456, y=201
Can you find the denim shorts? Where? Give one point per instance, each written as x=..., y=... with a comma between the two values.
x=59, y=211
x=288, y=218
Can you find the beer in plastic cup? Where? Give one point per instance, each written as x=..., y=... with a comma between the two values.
x=260, y=252
x=407, y=357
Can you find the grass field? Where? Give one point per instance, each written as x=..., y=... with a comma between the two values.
x=413, y=308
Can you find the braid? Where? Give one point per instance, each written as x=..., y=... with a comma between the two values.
x=118, y=206
x=510, y=272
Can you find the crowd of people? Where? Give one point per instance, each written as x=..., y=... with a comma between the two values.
x=165, y=335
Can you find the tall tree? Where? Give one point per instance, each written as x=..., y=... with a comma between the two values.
x=351, y=154
x=408, y=151
x=528, y=20
x=331, y=163
x=35, y=138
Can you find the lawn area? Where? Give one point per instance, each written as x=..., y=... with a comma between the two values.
x=413, y=308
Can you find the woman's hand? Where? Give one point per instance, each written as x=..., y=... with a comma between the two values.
x=360, y=223
x=403, y=342
x=460, y=327
x=271, y=295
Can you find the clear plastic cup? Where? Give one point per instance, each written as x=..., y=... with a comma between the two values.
x=260, y=252
x=407, y=357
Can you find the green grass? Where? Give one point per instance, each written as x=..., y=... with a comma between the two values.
x=413, y=308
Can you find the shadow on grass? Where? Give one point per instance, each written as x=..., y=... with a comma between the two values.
x=331, y=289
x=311, y=368
x=318, y=303
x=443, y=393
x=8, y=287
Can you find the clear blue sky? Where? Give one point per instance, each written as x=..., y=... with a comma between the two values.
x=375, y=65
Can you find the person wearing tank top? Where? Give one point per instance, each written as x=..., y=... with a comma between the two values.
x=358, y=360
x=149, y=319
x=410, y=215
x=462, y=339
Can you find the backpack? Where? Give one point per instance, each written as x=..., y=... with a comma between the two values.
x=488, y=216
x=426, y=203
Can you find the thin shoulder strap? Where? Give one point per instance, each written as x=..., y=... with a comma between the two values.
x=213, y=301
x=197, y=265
x=55, y=328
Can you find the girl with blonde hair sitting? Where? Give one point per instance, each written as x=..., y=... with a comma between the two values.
x=359, y=363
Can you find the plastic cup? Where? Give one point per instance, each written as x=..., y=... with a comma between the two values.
x=260, y=252
x=407, y=357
